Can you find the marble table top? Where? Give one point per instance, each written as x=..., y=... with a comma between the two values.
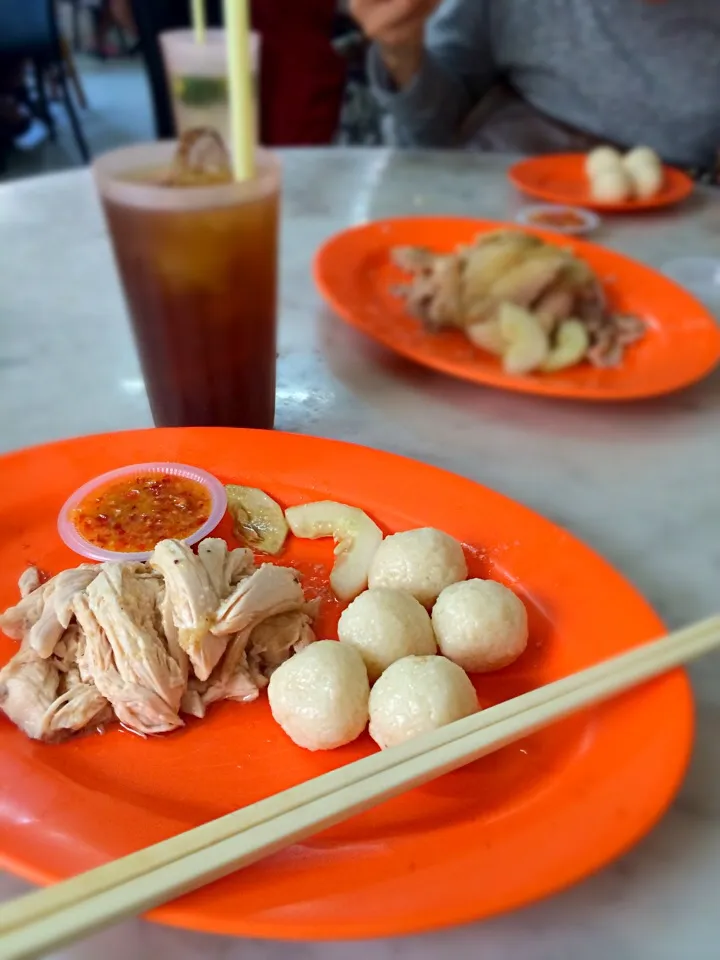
x=639, y=482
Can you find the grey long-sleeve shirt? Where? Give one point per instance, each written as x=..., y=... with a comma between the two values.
x=627, y=71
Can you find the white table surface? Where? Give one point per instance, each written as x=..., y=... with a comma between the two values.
x=640, y=482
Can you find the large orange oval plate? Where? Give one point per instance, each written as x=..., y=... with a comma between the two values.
x=512, y=827
x=357, y=278
x=561, y=178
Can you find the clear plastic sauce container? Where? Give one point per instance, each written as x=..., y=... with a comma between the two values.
x=122, y=514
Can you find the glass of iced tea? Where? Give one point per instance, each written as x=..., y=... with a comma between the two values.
x=197, y=76
x=197, y=256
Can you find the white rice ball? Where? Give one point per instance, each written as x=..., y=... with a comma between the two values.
x=611, y=186
x=422, y=562
x=320, y=696
x=601, y=159
x=418, y=694
x=647, y=181
x=385, y=625
x=480, y=625
x=640, y=157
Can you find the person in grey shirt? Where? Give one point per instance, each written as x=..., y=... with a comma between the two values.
x=539, y=76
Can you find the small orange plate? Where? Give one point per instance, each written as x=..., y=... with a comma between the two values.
x=561, y=178
x=500, y=833
x=355, y=274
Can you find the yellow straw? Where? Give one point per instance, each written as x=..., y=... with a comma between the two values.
x=198, y=20
x=240, y=88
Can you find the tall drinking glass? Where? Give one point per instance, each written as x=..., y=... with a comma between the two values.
x=199, y=269
x=197, y=76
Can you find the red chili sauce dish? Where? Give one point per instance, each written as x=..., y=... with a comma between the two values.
x=563, y=219
x=133, y=513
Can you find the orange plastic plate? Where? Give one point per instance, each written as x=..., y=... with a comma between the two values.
x=502, y=832
x=355, y=274
x=561, y=178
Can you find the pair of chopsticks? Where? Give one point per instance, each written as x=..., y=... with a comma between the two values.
x=52, y=918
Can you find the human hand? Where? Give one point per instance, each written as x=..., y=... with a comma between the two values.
x=397, y=26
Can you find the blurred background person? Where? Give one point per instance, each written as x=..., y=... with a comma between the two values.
x=557, y=75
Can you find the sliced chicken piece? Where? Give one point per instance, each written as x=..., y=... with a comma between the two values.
x=591, y=306
x=125, y=607
x=268, y=591
x=80, y=705
x=46, y=703
x=273, y=641
x=611, y=337
x=47, y=630
x=213, y=554
x=555, y=305
x=251, y=658
x=629, y=329
x=413, y=259
x=137, y=707
x=605, y=351
x=194, y=601
x=444, y=307
x=524, y=283
x=44, y=613
x=66, y=585
x=502, y=237
x=240, y=564
x=581, y=275
x=30, y=580
x=28, y=688
x=312, y=608
x=225, y=567
x=16, y=622
x=485, y=264
x=69, y=648
x=419, y=295
x=170, y=632
x=192, y=702
x=231, y=680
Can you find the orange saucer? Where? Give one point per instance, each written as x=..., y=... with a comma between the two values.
x=500, y=833
x=561, y=178
x=355, y=274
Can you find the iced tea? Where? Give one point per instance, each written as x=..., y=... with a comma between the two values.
x=199, y=270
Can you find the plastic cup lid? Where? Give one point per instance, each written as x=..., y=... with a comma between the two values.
x=549, y=216
x=72, y=538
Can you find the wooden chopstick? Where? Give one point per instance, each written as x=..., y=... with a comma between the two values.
x=55, y=916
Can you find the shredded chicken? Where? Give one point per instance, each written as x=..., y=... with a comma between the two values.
x=45, y=611
x=67, y=585
x=135, y=705
x=225, y=568
x=259, y=601
x=193, y=601
x=468, y=288
x=17, y=621
x=45, y=702
x=252, y=657
x=273, y=640
x=29, y=581
x=125, y=608
x=144, y=642
x=268, y=591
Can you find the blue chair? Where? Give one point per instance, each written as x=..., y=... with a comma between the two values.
x=29, y=31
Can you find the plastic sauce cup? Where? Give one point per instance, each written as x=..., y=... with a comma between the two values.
x=73, y=539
